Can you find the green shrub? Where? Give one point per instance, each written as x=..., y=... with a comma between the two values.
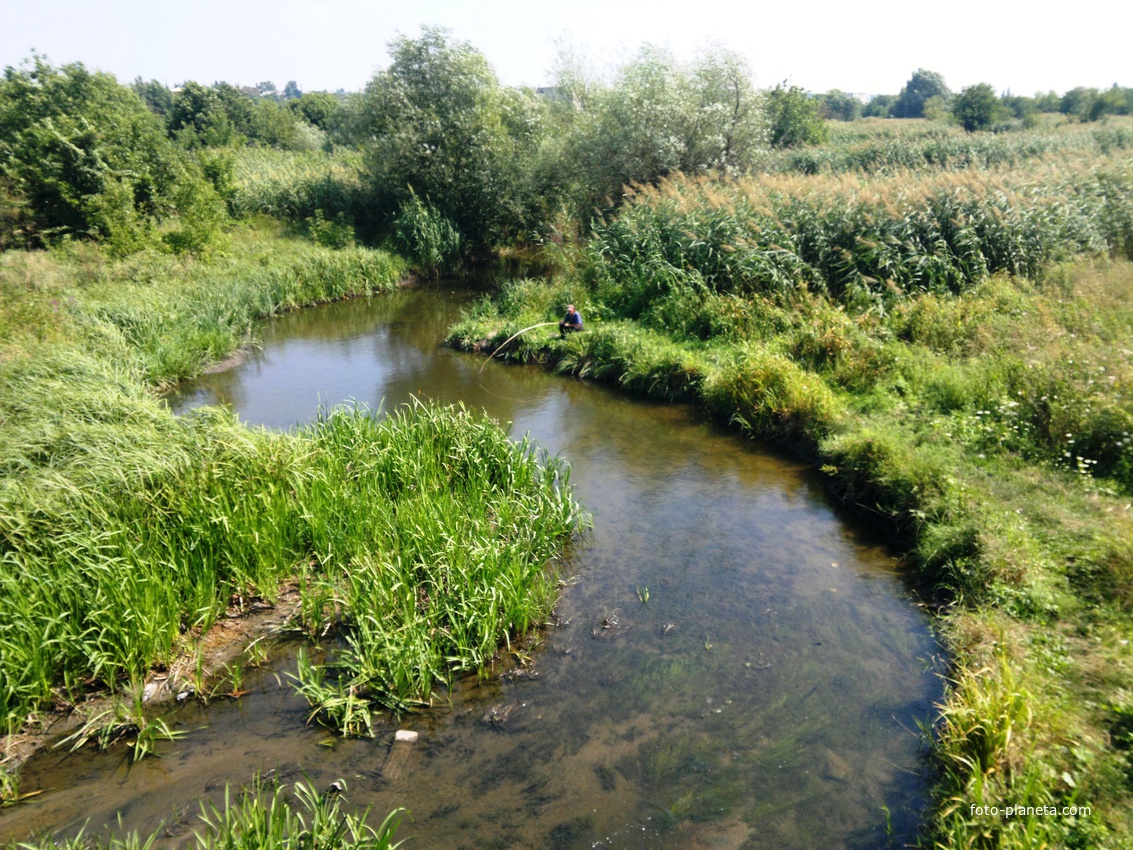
x=88, y=160
x=336, y=233
x=769, y=395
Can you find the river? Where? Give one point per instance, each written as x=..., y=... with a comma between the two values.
x=736, y=662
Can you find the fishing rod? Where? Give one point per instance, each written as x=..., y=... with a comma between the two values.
x=509, y=339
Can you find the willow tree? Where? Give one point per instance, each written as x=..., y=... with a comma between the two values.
x=438, y=127
x=659, y=117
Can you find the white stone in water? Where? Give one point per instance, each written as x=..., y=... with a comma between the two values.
x=150, y=691
x=405, y=735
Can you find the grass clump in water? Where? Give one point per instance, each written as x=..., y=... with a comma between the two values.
x=267, y=817
x=126, y=532
x=429, y=532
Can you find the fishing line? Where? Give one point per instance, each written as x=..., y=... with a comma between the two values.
x=509, y=339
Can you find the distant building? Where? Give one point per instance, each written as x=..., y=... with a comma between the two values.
x=551, y=93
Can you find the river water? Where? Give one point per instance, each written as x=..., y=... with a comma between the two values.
x=735, y=663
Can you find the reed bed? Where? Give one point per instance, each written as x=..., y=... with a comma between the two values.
x=865, y=242
x=890, y=147
x=294, y=186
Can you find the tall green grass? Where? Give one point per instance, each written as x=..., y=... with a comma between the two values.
x=177, y=323
x=431, y=530
x=125, y=532
x=294, y=186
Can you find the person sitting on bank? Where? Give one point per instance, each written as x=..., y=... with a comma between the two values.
x=571, y=323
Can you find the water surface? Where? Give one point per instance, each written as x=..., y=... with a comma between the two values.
x=767, y=694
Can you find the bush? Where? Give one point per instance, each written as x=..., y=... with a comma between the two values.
x=978, y=108
x=795, y=117
x=771, y=396
x=88, y=160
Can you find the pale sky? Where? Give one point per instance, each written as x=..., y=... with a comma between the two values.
x=871, y=46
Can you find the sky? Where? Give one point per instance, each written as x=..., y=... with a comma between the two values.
x=870, y=47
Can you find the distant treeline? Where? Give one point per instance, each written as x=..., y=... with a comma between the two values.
x=926, y=95
x=433, y=157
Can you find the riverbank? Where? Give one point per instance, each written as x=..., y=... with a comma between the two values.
x=989, y=432
x=127, y=533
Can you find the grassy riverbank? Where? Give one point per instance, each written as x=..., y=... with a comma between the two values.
x=125, y=531
x=929, y=343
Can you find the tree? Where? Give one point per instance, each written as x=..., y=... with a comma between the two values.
x=1112, y=101
x=87, y=159
x=658, y=117
x=1078, y=102
x=922, y=85
x=291, y=91
x=879, y=106
x=936, y=108
x=274, y=125
x=840, y=106
x=224, y=115
x=434, y=128
x=1047, y=102
x=730, y=123
x=198, y=118
x=977, y=107
x=794, y=117
x=156, y=96
x=317, y=108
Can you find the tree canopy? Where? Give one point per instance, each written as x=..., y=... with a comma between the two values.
x=920, y=88
x=794, y=117
x=86, y=158
x=978, y=108
x=436, y=125
x=658, y=116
